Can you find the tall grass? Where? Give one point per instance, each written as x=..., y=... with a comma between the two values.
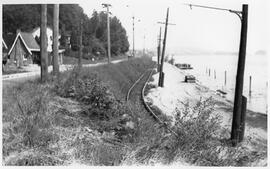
x=79, y=117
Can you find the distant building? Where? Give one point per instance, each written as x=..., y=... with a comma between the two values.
x=36, y=33
x=4, y=52
x=23, y=50
x=66, y=36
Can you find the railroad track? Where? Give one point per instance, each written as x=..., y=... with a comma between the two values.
x=136, y=101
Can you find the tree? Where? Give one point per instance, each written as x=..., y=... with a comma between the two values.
x=74, y=42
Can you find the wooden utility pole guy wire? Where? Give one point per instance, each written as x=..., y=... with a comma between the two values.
x=55, y=39
x=43, y=44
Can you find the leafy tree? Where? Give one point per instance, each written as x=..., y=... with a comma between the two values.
x=27, y=17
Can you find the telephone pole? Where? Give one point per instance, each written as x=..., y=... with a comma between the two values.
x=239, y=101
x=158, y=50
x=133, y=44
x=239, y=109
x=80, y=44
x=133, y=34
x=43, y=44
x=55, y=39
x=108, y=31
x=161, y=73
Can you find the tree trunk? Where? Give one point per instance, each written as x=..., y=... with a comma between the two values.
x=43, y=44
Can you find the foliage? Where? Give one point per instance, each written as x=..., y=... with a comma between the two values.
x=94, y=39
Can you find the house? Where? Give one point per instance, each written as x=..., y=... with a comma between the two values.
x=66, y=36
x=4, y=52
x=4, y=45
x=23, y=50
x=36, y=33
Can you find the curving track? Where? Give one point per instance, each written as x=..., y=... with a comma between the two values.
x=136, y=102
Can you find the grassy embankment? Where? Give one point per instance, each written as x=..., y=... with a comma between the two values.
x=82, y=118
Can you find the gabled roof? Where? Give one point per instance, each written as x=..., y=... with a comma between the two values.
x=9, y=39
x=4, y=44
x=28, y=41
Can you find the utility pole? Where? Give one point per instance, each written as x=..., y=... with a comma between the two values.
x=108, y=31
x=133, y=44
x=80, y=44
x=143, y=44
x=55, y=39
x=158, y=50
x=161, y=73
x=43, y=44
x=238, y=102
x=238, y=121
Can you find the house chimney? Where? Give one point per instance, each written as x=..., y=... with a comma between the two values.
x=18, y=31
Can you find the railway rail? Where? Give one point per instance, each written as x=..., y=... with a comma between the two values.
x=137, y=92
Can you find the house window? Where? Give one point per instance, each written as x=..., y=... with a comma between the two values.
x=24, y=57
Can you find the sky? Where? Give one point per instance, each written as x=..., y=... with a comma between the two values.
x=198, y=29
x=195, y=29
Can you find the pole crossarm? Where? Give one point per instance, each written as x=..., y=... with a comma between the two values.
x=165, y=23
x=238, y=13
x=106, y=5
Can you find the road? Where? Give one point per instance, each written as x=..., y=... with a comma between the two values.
x=34, y=71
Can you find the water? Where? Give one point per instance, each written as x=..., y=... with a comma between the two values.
x=256, y=66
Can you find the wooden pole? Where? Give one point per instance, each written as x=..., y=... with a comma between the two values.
x=209, y=71
x=133, y=44
x=80, y=44
x=43, y=44
x=55, y=39
x=225, y=78
x=239, y=78
x=108, y=36
x=158, y=50
x=243, y=118
x=249, y=85
x=161, y=75
x=215, y=74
